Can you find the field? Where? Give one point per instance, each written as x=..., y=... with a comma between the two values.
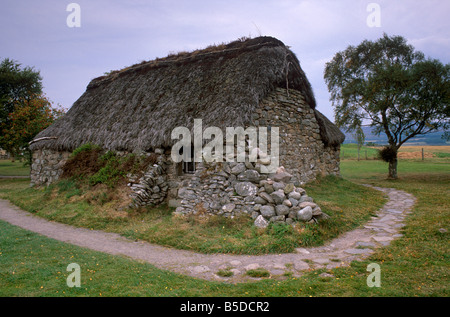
x=350, y=152
x=416, y=264
x=17, y=168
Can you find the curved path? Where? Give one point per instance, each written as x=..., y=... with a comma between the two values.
x=353, y=245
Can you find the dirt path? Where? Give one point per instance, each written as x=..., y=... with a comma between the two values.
x=353, y=245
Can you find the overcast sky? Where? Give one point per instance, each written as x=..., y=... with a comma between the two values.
x=116, y=34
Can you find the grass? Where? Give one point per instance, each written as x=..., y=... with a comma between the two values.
x=92, y=207
x=16, y=168
x=416, y=264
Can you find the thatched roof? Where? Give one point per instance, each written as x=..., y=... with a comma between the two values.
x=135, y=109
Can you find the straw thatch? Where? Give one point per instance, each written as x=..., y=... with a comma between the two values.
x=135, y=109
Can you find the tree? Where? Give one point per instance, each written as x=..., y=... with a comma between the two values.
x=392, y=88
x=16, y=83
x=30, y=116
x=360, y=138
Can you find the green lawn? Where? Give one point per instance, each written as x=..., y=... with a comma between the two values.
x=17, y=168
x=348, y=204
x=415, y=265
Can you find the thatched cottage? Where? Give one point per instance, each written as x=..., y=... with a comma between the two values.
x=250, y=82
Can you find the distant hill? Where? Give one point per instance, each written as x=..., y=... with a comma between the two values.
x=427, y=139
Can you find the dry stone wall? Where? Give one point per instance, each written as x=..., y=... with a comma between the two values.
x=232, y=189
x=46, y=166
x=302, y=151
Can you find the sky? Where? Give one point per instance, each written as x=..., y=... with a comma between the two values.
x=114, y=34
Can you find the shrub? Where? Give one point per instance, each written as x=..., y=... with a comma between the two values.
x=388, y=154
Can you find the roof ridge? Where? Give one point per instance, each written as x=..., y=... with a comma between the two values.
x=170, y=60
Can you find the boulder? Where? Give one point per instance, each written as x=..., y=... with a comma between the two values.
x=282, y=210
x=246, y=189
x=266, y=197
x=228, y=207
x=295, y=195
x=305, y=214
x=250, y=176
x=284, y=177
x=289, y=188
x=305, y=198
x=278, y=185
x=261, y=222
x=280, y=218
x=267, y=211
x=238, y=168
x=260, y=200
x=268, y=188
x=278, y=196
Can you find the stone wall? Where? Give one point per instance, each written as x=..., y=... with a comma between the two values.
x=302, y=151
x=46, y=166
x=232, y=189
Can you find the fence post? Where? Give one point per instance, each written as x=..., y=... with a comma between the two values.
x=423, y=157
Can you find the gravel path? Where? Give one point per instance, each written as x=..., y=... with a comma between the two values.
x=353, y=245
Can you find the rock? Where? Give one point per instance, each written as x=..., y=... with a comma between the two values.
x=228, y=207
x=257, y=207
x=284, y=177
x=300, y=190
x=322, y=216
x=279, y=218
x=246, y=189
x=267, y=211
x=295, y=195
x=266, y=197
x=252, y=266
x=306, y=204
x=282, y=210
x=278, y=196
x=238, y=168
x=278, y=185
x=260, y=200
x=287, y=202
x=305, y=214
x=185, y=193
x=250, y=176
x=294, y=202
x=305, y=198
x=268, y=188
x=316, y=211
x=289, y=188
x=261, y=222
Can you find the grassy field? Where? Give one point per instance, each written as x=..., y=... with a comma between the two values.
x=17, y=168
x=431, y=153
x=415, y=265
x=347, y=203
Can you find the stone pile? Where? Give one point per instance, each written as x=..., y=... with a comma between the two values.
x=230, y=189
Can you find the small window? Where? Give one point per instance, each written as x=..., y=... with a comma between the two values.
x=187, y=167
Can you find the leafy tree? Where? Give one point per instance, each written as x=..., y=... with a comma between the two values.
x=30, y=116
x=16, y=83
x=360, y=138
x=392, y=88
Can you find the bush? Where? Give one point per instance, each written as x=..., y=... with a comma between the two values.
x=111, y=173
x=388, y=154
